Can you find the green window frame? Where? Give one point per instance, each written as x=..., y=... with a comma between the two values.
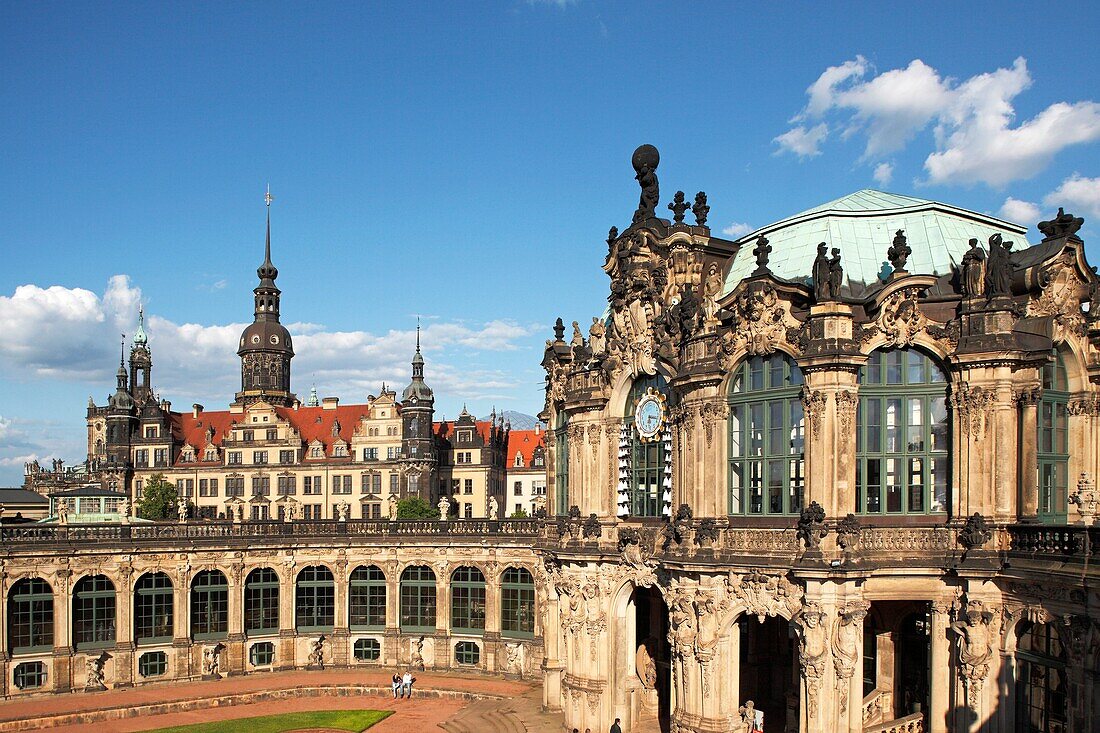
x=767, y=437
x=261, y=654
x=903, y=435
x=30, y=616
x=1041, y=681
x=261, y=602
x=315, y=600
x=367, y=598
x=517, y=603
x=647, y=458
x=1052, y=443
x=561, y=464
x=29, y=675
x=467, y=653
x=418, y=599
x=94, y=613
x=210, y=605
x=468, y=600
x=367, y=650
x=152, y=664
x=154, y=605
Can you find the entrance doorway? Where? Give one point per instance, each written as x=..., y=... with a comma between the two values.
x=912, y=664
x=651, y=657
x=769, y=671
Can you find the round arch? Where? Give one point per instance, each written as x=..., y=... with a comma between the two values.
x=154, y=608
x=30, y=616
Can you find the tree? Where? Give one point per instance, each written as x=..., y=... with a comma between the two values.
x=416, y=508
x=520, y=513
x=158, y=499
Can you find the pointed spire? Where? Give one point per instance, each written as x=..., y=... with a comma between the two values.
x=140, y=339
x=268, y=271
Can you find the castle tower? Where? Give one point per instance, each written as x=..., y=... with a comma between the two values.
x=417, y=413
x=265, y=348
x=121, y=420
x=141, y=364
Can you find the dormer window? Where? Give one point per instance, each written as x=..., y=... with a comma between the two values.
x=538, y=461
x=187, y=455
x=211, y=454
x=316, y=452
x=340, y=450
x=519, y=460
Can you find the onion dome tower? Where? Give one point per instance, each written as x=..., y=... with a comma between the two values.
x=141, y=364
x=417, y=410
x=265, y=348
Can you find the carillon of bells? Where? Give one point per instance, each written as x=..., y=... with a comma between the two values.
x=666, y=497
x=624, y=471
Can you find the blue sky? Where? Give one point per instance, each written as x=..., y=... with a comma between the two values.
x=463, y=161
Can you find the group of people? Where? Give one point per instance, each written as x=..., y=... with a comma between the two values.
x=403, y=684
x=615, y=728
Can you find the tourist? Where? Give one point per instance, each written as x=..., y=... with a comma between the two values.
x=407, y=684
x=396, y=683
x=615, y=727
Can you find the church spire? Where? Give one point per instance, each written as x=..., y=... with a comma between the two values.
x=140, y=339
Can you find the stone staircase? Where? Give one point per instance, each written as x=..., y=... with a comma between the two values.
x=483, y=716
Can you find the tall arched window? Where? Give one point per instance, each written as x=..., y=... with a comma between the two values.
x=315, y=600
x=902, y=435
x=153, y=609
x=30, y=616
x=767, y=437
x=261, y=602
x=367, y=598
x=467, y=600
x=1053, y=442
x=517, y=603
x=209, y=605
x=646, y=474
x=94, y=613
x=561, y=464
x=418, y=599
x=1040, y=679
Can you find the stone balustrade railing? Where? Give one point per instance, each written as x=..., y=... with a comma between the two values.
x=1055, y=541
x=909, y=724
x=877, y=705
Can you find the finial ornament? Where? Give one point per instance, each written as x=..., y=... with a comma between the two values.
x=559, y=330
x=678, y=207
x=268, y=198
x=899, y=252
x=700, y=209
x=762, y=251
x=1063, y=225
x=645, y=161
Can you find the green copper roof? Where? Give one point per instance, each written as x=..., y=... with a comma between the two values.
x=862, y=225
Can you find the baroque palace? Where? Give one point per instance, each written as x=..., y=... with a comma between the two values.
x=836, y=475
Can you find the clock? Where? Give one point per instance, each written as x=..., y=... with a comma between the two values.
x=649, y=415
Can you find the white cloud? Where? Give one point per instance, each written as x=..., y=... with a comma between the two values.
x=1079, y=195
x=802, y=141
x=974, y=137
x=737, y=229
x=1019, y=212
x=884, y=173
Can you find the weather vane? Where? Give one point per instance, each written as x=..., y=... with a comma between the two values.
x=268, y=198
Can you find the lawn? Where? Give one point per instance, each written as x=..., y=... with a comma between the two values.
x=349, y=720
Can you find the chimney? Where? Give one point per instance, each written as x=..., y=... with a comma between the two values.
x=330, y=403
x=538, y=428
x=196, y=410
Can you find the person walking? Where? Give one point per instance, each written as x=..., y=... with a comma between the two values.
x=615, y=727
x=407, y=684
x=396, y=684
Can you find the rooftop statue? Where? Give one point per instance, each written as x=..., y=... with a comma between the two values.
x=700, y=209
x=820, y=272
x=1062, y=225
x=998, y=268
x=678, y=207
x=899, y=252
x=645, y=161
x=762, y=251
x=973, y=270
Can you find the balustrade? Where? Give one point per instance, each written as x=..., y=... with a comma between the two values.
x=909, y=724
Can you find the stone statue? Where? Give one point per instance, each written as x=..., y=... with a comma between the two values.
x=444, y=507
x=393, y=506
x=820, y=272
x=973, y=270
x=712, y=288
x=181, y=508
x=597, y=335
x=239, y=511
x=317, y=652
x=752, y=720
x=292, y=511
x=516, y=658
x=93, y=673
x=678, y=207
x=494, y=509
x=762, y=251
x=836, y=274
x=342, y=509
x=211, y=660
x=700, y=209
x=645, y=161
x=417, y=653
x=813, y=651
x=998, y=268
x=976, y=638
x=63, y=511
x=578, y=338
x=644, y=663
x=124, y=509
x=1063, y=225
x=899, y=252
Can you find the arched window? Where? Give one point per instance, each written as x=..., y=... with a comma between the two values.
x=1040, y=679
x=1053, y=442
x=154, y=601
x=261, y=602
x=468, y=600
x=418, y=599
x=767, y=437
x=315, y=600
x=367, y=599
x=561, y=464
x=646, y=474
x=517, y=603
x=209, y=605
x=94, y=613
x=902, y=435
x=30, y=616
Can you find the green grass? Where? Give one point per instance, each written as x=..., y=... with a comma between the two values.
x=349, y=720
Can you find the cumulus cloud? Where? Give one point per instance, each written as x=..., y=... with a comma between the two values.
x=1079, y=195
x=802, y=141
x=737, y=229
x=884, y=173
x=975, y=135
x=1019, y=212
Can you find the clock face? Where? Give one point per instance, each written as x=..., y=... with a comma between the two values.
x=649, y=416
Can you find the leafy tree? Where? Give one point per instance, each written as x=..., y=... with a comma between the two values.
x=520, y=513
x=416, y=508
x=158, y=499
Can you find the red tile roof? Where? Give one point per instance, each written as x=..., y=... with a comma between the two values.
x=524, y=442
x=446, y=429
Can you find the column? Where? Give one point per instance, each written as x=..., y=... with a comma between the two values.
x=62, y=631
x=392, y=651
x=181, y=632
x=236, y=657
x=287, y=655
x=441, y=653
x=341, y=636
x=1028, y=401
x=552, y=666
x=493, y=647
x=943, y=676
x=124, y=629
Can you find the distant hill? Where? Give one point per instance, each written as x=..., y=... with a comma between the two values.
x=519, y=420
